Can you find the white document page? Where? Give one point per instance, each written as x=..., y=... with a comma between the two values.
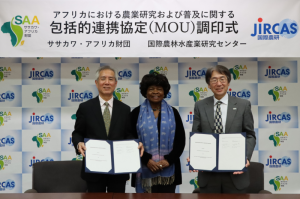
x=203, y=151
x=98, y=156
x=232, y=152
x=126, y=156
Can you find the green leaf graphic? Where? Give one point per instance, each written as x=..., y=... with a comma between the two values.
x=18, y=32
x=1, y=164
x=277, y=183
x=117, y=95
x=1, y=76
x=1, y=121
x=276, y=94
x=197, y=96
x=233, y=74
x=79, y=74
x=39, y=141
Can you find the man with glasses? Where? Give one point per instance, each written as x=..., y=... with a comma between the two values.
x=104, y=118
x=222, y=113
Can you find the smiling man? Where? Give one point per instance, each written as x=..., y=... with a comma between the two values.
x=222, y=113
x=104, y=118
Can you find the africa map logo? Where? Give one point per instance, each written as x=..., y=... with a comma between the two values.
x=277, y=92
x=16, y=32
x=4, y=161
x=41, y=138
x=278, y=182
x=73, y=117
x=80, y=72
x=194, y=182
x=4, y=72
x=4, y=117
x=41, y=94
x=198, y=93
x=278, y=137
x=159, y=70
x=78, y=158
x=238, y=71
x=121, y=93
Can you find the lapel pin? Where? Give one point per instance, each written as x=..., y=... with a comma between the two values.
x=234, y=109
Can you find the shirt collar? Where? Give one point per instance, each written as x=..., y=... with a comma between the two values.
x=224, y=100
x=110, y=102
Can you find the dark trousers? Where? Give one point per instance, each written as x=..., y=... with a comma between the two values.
x=163, y=188
x=106, y=185
x=220, y=183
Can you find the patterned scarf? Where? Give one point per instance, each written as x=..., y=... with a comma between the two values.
x=148, y=135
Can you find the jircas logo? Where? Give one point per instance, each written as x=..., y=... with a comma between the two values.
x=278, y=118
x=194, y=182
x=198, y=93
x=7, y=185
x=80, y=97
x=278, y=137
x=41, y=94
x=41, y=139
x=287, y=28
x=238, y=71
x=70, y=141
x=80, y=72
x=41, y=75
x=244, y=94
x=195, y=74
x=190, y=118
x=78, y=158
x=278, y=182
x=124, y=74
x=121, y=93
x=4, y=72
x=5, y=161
x=15, y=28
x=4, y=117
x=34, y=160
x=277, y=92
x=277, y=163
x=159, y=70
x=7, y=96
x=41, y=119
x=277, y=73
x=7, y=141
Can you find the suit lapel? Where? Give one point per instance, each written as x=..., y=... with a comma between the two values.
x=231, y=111
x=209, y=109
x=98, y=115
x=115, y=116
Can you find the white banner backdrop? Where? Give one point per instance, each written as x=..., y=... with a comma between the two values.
x=39, y=98
x=155, y=28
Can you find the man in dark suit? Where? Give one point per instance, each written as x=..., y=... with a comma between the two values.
x=222, y=113
x=104, y=118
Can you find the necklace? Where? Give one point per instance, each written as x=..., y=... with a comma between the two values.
x=155, y=109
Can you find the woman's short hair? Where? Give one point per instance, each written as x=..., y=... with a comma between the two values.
x=154, y=79
x=220, y=69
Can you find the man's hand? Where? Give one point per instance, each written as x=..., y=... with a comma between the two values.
x=188, y=160
x=153, y=166
x=163, y=164
x=81, y=148
x=141, y=147
x=240, y=172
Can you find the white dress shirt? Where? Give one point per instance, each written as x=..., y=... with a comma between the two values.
x=103, y=106
x=223, y=107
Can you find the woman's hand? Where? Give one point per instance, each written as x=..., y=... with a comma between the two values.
x=163, y=164
x=153, y=166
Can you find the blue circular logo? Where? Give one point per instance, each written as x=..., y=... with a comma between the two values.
x=48, y=73
x=288, y=28
x=10, y=184
x=48, y=118
x=285, y=117
x=9, y=140
x=286, y=161
x=284, y=71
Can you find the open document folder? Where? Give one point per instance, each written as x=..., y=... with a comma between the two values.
x=218, y=152
x=112, y=157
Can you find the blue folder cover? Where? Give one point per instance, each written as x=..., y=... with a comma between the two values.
x=217, y=155
x=112, y=171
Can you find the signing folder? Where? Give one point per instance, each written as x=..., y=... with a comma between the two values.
x=218, y=152
x=112, y=157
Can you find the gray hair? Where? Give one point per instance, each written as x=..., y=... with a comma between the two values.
x=105, y=68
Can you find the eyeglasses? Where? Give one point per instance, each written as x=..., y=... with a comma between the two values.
x=110, y=79
x=215, y=80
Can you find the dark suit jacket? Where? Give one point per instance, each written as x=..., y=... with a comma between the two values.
x=90, y=124
x=237, y=121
